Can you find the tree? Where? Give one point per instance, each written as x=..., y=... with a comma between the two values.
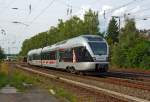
x=132, y=49
x=139, y=54
x=113, y=32
x=91, y=22
x=1, y=54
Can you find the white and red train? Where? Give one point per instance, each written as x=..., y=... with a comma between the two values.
x=83, y=53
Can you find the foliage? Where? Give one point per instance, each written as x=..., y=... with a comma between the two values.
x=15, y=78
x=132, y=49
x=113, y=31
x=3, y=80
x=91, y=22
x=1, y=54
x=66, y=94
x=64, y=30
x=145, y=62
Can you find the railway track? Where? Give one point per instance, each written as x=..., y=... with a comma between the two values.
x=71, y=79
x=134, y=81
x=130, y=74
x=124, y=81
x=141, y=77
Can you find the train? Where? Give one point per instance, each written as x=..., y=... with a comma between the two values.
x=85, y=53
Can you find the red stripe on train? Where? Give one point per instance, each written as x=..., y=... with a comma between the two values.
x=49, y=61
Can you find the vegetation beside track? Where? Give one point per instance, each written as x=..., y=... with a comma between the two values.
x=23, y=81
x=1, y=54
x=13, y=77
x=132, y=50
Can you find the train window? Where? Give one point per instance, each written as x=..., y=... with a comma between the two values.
x=52, y=55
x=36, y=56
x=89, y=38
x=82, y=54
x=98, y=48
x=66, y=55
x=45, y=56
x=49, y=55
x=42, y=56
x=87, y=57
x=78, y=53
x=33, y=56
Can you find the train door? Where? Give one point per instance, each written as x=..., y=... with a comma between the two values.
x=65, y=58
x=82, y=54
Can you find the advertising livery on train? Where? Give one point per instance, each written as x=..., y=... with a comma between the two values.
x=82, y=53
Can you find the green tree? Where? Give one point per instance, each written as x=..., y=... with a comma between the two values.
x=1, y=54
x=132, y=49
x=91, y=22
x=113, y=32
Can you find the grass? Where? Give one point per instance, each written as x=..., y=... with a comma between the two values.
x=17, y=80
x=3, y=80
x=64, y=93
x=13, y=78
x=16, y=77
x=48, y=84
x=3, y=75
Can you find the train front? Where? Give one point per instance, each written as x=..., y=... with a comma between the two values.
x=100, y=52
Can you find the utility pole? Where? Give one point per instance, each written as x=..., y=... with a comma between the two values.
x=69, y=9
x=105, y=23
x=119, y=21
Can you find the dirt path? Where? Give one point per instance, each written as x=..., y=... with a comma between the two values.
x=34, y=95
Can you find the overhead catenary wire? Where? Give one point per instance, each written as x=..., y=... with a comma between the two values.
x=142, y=18
x=68, y=5
x=36, y=17
x=43, y=11
x=3, y=11
x=105, y=12
x=129, y=10
x=3, y=31
x=127, y=4
x=119, y=7
x=139, y=11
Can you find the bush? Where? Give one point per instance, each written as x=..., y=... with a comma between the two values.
x=145, y=62
x=135, y=55
x=118, y=56
x=132, y=49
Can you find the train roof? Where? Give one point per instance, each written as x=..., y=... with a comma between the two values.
x=35, y=51
x=73, y=42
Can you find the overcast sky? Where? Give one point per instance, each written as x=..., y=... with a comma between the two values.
x=45, y=13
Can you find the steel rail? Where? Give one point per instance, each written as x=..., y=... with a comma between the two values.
x=106, y=91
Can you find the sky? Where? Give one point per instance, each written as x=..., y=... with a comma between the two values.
x=45, y=13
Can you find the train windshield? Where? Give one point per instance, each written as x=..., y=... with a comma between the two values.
x=98, y=48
